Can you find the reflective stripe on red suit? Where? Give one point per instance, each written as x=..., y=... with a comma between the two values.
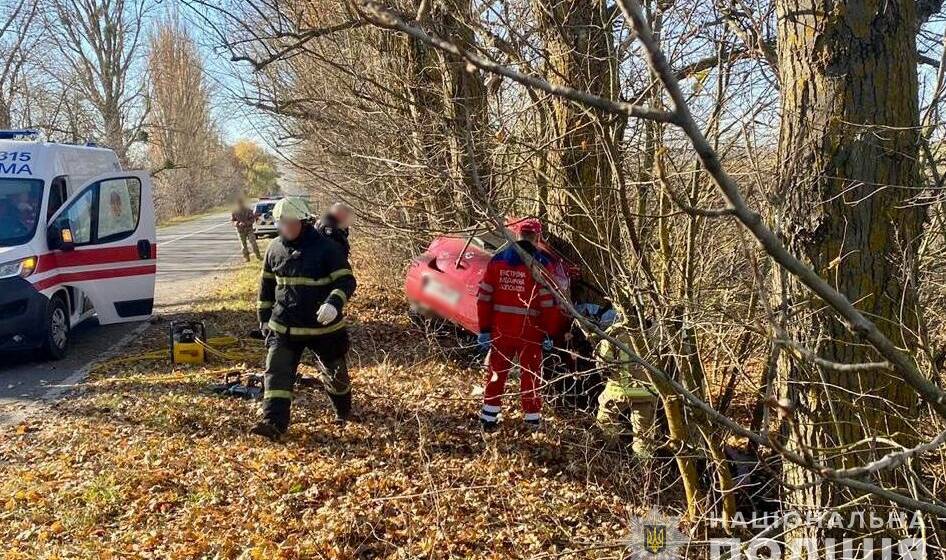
x=518, y=312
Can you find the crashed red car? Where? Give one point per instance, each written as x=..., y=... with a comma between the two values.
x=443, y=281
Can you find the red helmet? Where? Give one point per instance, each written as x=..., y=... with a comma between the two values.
x=529, y=225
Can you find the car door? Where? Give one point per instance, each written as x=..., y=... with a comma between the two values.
x=115, y=253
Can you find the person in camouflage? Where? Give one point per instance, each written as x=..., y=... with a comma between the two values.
x=243, y=219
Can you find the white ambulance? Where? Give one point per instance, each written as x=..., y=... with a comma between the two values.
x=77, y=240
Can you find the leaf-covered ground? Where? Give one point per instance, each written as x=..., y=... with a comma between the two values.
x=146, y=462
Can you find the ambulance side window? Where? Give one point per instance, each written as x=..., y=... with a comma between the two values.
x=119, y=208
x=79, y=217
x=57, y=195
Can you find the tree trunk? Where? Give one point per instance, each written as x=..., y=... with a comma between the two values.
x=465, y=107
x=447, y=102
x=113, y=135
x=583, y=206
x=422, y=73
x=848, y=151
x=6, y=120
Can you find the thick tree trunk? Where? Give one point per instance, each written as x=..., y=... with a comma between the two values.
x=422, y=83
x=465, y=107
x=583, y=205
x=848, y=150
x=448, y=103
x=113, y=134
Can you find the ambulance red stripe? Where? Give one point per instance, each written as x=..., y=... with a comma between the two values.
x=85, y=257
x=94, y=275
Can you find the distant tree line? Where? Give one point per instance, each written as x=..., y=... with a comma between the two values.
x=120, y=74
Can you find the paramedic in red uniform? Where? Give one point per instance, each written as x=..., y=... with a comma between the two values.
x=515, y=315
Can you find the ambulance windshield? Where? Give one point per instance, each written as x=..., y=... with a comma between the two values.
x=20, y=201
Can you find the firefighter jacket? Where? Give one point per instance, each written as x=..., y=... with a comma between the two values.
x=328, y=226
x=510, y=302
x=298, y=277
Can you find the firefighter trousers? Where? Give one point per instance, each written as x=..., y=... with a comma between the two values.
x=282, y=363
x=503, y=354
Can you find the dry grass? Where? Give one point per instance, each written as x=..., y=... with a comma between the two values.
x=146, y=462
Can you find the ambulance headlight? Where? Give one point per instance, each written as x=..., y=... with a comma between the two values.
x=21, y=268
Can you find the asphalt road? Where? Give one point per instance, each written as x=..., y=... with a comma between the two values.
x=187, y=253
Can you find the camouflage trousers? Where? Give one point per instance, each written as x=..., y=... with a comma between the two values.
x=247, y=240
x=628, y=414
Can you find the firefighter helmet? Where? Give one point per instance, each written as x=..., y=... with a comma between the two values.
x=291, y=208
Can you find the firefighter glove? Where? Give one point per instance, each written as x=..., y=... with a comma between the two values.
x=483, y=340
x=327, y=313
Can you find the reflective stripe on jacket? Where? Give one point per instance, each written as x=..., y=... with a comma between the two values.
x=298, y=277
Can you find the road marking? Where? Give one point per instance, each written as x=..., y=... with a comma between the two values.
x=191, y=234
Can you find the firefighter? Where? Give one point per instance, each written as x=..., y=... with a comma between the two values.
x=335, y=223
x=516, y=313
x=305, y=284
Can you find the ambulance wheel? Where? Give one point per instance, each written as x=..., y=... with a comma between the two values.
x=57, y=329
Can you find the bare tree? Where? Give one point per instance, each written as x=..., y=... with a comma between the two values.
x=100, y=42
x=193, y=168
x=846, y=205
x=656, y=143
x=16, y=38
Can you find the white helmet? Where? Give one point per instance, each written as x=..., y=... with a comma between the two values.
x=291, y=208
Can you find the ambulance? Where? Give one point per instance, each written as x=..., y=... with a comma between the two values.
x=77, y=240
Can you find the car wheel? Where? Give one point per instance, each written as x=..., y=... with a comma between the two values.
x=57, y=329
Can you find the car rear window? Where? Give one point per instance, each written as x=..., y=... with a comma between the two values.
x=490, y=240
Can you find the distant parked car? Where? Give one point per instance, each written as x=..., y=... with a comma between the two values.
x=265, y=226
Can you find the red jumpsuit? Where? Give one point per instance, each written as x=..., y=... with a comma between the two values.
x=518, y=312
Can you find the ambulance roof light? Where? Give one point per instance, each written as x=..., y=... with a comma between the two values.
x=14, y=134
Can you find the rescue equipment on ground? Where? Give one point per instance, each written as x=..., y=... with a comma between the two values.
x=186, y=339
x=234, y=385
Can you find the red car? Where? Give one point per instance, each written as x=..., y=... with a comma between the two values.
x=444, y=280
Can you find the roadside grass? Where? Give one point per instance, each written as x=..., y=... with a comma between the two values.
x=146, y=462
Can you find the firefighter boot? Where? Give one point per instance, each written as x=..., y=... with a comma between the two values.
x=266, y=430
x=488, y=427
x=533, y=425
